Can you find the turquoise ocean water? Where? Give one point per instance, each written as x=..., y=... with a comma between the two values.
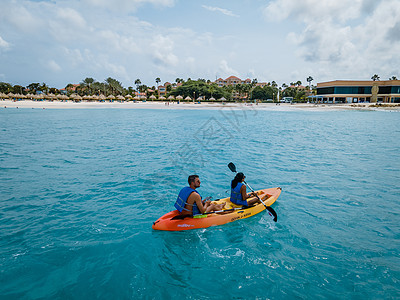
x=80, y=188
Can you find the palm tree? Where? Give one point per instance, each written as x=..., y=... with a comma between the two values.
x=158, y=80
x=309, y=80
x=87, y=82
x=44, y=87
x=375, y=77
x=393, y=78
x=114, y=85
x=33, y=87
x=138, y=83
x=239, y=89
x=252, y=85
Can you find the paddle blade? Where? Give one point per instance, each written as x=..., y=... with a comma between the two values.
x=232, y=167
x=272, y=213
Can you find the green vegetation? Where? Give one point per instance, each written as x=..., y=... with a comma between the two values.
x=199, y=89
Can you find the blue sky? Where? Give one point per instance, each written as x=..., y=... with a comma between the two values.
x=61, y=42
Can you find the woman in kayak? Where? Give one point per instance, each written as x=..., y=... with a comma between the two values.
x=189, y=200
x=238, y=192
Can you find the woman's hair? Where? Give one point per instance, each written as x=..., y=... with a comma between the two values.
x=238, y=178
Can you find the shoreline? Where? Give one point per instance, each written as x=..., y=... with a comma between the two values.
x=203, y=106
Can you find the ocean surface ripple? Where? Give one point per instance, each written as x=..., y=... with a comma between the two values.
x=79, y=190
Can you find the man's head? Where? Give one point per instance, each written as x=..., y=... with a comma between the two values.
x=194, y=181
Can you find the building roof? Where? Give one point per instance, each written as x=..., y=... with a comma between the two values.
x=358, y=83
x=233, y=78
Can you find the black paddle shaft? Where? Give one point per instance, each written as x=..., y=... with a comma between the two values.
x=270, y=210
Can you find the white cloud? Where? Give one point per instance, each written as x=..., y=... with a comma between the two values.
x=20, y=16
x=3, y=44
x=225, y=70
x=312, y=10
x=162, y=51
x=70, y=17
x=53, y=66
x=115, y=41
x=127, y=5
x=221, y=10
x=129, y=39
x=66, y=25
x=340, y=36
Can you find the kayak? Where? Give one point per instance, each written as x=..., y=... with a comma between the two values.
x=173, y=221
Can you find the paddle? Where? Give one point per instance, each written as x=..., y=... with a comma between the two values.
x=270, y=210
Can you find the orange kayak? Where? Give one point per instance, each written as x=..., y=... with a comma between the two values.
x=232, y=212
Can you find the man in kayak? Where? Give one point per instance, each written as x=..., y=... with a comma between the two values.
x=189, y=200
x=238, y=192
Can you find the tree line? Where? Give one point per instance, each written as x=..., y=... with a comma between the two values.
x=200, y=88
x=195, y=89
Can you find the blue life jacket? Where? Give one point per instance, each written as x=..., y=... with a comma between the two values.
x=236, y=196
x=182, y=200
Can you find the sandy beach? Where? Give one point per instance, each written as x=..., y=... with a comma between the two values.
x=211, y=106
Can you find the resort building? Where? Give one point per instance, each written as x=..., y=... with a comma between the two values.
x=348, y=91
x=232, y=80
x=162, y=91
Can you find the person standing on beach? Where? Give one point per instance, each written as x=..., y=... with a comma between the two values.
x=189, y=200
x=239, y=195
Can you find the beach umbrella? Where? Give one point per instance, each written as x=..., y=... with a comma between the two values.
x=171, y=97
x=212, y=99
x=222, y=99
x=179, y=97
x=120, y=98
x=39, y=97
x=129, y=97
x=51, y=96
x=162, y=98
x=152, y=97
x=30, y=96
x=136, y=98
x=111, y=98
x=188, y=98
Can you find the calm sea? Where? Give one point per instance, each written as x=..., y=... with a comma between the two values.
x=80, y=188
